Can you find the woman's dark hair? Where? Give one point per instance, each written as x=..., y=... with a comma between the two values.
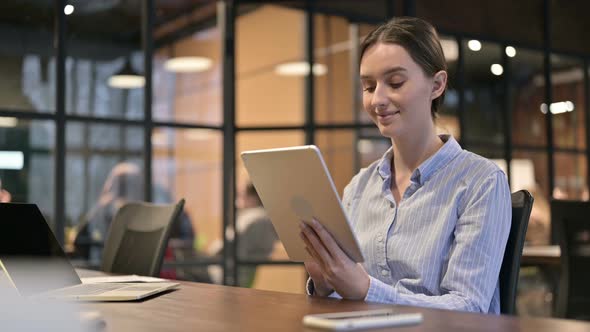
x=419, y=38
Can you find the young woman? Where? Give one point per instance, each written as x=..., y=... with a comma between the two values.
x=432, y=219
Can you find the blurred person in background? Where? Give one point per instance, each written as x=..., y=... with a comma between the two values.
x=257, y=236
x=125, y=184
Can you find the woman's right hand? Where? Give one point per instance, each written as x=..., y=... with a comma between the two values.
x=321, y=286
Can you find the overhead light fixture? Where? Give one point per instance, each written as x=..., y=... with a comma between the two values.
x=474, y=45
x=126, y=78
x=8, y=122
x=68, y=9
x=497, y=69
x=510, y=51
x=198, y=134
x=558, y=108
x=188, y=64
x=300, y=68
x=450, y=49
x=12, y=160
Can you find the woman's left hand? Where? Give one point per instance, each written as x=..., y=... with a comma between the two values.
x=348, y=278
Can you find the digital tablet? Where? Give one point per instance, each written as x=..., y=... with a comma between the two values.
x=294, y=185
x=355, y=320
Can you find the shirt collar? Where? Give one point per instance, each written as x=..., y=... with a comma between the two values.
x=444, y=155
x=384, y=166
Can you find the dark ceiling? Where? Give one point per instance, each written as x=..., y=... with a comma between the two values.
x=111, y=27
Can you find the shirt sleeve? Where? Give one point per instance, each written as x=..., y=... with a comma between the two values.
x=257, y=240
x=475, y=257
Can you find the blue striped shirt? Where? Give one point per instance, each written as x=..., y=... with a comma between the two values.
x=442, y=246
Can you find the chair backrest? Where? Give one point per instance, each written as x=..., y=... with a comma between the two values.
x=138, y=237
x=572, y=223
x=522, y=204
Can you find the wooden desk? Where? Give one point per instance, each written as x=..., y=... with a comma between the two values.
x=541, y=255
x=205, y=307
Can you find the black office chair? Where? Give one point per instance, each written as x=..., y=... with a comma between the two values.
x=522, y=204
x=83, y=243
x=138, y=237
x=572, y=223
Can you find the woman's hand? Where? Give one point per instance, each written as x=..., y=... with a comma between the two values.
x=321, y=286
x=348, y=278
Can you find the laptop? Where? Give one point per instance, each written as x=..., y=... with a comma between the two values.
x=294, y=185
x=35, y=264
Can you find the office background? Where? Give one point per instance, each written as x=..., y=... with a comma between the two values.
x=247, y=84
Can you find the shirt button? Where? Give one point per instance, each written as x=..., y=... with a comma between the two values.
x=384, y=272
x=379, y=238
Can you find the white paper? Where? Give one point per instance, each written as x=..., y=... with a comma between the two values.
x=125, y=278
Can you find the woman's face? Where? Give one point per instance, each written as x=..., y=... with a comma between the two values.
x=397, y=95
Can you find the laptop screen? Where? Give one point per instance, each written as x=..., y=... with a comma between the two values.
x=29, y=252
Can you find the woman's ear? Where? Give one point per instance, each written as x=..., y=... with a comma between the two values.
x=440, y=84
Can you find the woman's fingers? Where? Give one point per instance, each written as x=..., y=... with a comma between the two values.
x=348, y=278
x=320, y=266
x=313, y=242
x=328, y=240
x=312, y=252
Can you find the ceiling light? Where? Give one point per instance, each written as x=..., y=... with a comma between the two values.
x=11, y=160
x=558, y=108
x=68, y=9
x=300, y=68
x=8, y=122
x=450, y=49
x=474, y=45
x=126, y=81
x=510, y=51
x=188, y=64
x=198, y=134
x=497, y=69
x=126, y=78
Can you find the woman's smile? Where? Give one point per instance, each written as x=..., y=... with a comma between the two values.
x=387, y=117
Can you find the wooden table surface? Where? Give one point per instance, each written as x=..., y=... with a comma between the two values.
x=206, y=307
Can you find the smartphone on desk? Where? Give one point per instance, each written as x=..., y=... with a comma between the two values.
x=355, y=320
